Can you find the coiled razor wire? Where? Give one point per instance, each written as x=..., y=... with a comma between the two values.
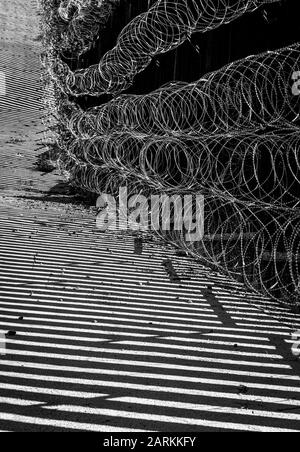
x=162, y=28
x=232, y=136
x=229, y=166
x=249, y=95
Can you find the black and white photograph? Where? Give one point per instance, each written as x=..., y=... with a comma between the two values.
x=149, y=219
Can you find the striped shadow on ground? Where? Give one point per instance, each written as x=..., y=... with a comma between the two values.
x=105, y=342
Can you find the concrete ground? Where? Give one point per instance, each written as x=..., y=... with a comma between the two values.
x=98, y=336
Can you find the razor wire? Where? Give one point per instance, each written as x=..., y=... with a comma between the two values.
x=165, y=26
x=248, y=95
x=261, y=170
x=232, y=136
x=251, y=178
